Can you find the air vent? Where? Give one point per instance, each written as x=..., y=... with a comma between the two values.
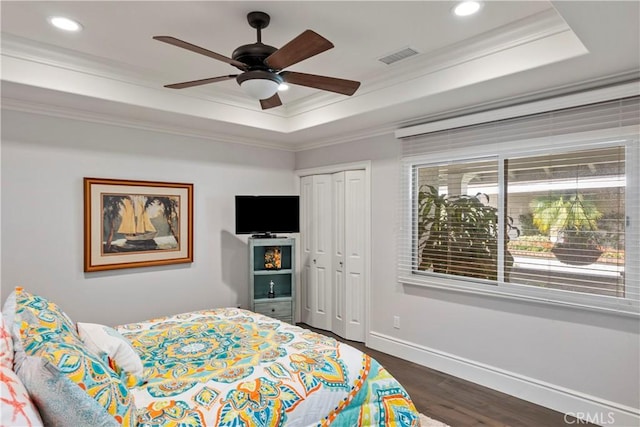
x=398, y=56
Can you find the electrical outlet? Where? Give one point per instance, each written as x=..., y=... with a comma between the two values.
x=396, y=322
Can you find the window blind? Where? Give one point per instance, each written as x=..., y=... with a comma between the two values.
x=563, y=187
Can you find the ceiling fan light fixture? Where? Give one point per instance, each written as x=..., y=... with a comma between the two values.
x=259, y=84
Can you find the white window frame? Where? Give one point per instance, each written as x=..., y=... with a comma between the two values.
x=627, y=136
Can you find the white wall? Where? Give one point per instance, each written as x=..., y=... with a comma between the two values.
x=567, y=359
x=44, y=160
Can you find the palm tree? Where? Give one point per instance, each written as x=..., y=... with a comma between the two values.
x=574, y=213
x=170, y=212
x=572, y=222
x=110, y=213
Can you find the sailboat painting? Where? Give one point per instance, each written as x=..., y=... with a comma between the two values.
x=134, y=229
x=137, y=223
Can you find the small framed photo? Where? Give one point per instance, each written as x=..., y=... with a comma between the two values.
x=136, y=223
x=273, y=258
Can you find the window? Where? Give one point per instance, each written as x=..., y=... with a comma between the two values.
x=570, y=210
x=553, y=218
x=457, y=229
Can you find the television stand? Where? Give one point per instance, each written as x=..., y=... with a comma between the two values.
x=272, y=277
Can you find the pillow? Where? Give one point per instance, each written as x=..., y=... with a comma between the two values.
x=101, y=339
x=33, y=320
x=36, y=319
x=9, y=310
x=86, y=372
x=41, y=329
x=60, y=401
x=16, y=408
x=47, y=312
x=8, y=313
x=6, y=345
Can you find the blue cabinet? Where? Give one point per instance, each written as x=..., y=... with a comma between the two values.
x=272, y=278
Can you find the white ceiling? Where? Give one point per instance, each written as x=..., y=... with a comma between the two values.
x=113, y=71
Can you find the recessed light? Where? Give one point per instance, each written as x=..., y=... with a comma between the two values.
x=283, y=87
x=467, y=8
x=64, y=23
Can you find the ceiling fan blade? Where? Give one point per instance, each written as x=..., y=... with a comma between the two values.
x=200, y=82
x=274, y=101
x=202, y=51
x=332, y=84
x=306, y=45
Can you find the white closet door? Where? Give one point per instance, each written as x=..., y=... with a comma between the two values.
x=354, y=254
x=306, y=237
x=316, y=251
x=339, y=324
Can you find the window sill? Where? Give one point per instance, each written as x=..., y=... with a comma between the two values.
x=523, y=293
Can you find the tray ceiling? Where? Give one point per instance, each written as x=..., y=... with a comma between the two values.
x=114, y=71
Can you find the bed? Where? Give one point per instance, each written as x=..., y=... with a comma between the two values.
x=218, y=367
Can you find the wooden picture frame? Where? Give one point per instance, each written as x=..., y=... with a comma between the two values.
x=131, y=224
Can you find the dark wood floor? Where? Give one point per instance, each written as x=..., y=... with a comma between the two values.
x=457, y=402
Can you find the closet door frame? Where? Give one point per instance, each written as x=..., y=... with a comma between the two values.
x=331, y=169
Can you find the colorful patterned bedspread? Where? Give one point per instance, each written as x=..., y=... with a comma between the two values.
x=232, y=367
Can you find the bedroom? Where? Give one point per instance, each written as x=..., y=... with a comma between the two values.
x=67, y=116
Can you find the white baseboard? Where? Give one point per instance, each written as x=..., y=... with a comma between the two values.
x=580, y=405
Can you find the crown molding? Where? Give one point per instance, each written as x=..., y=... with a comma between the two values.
x=527, y=30
x=354, y=136
x=422, y=76
x=52, y=110
x=24, y=106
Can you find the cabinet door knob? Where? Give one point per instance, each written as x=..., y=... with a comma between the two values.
x=340, y=263
x=314, y=261
x=273, y=310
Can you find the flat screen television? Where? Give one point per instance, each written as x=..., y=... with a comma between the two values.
x=263, y=216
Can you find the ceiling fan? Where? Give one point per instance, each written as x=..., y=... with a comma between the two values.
x=262, y=65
